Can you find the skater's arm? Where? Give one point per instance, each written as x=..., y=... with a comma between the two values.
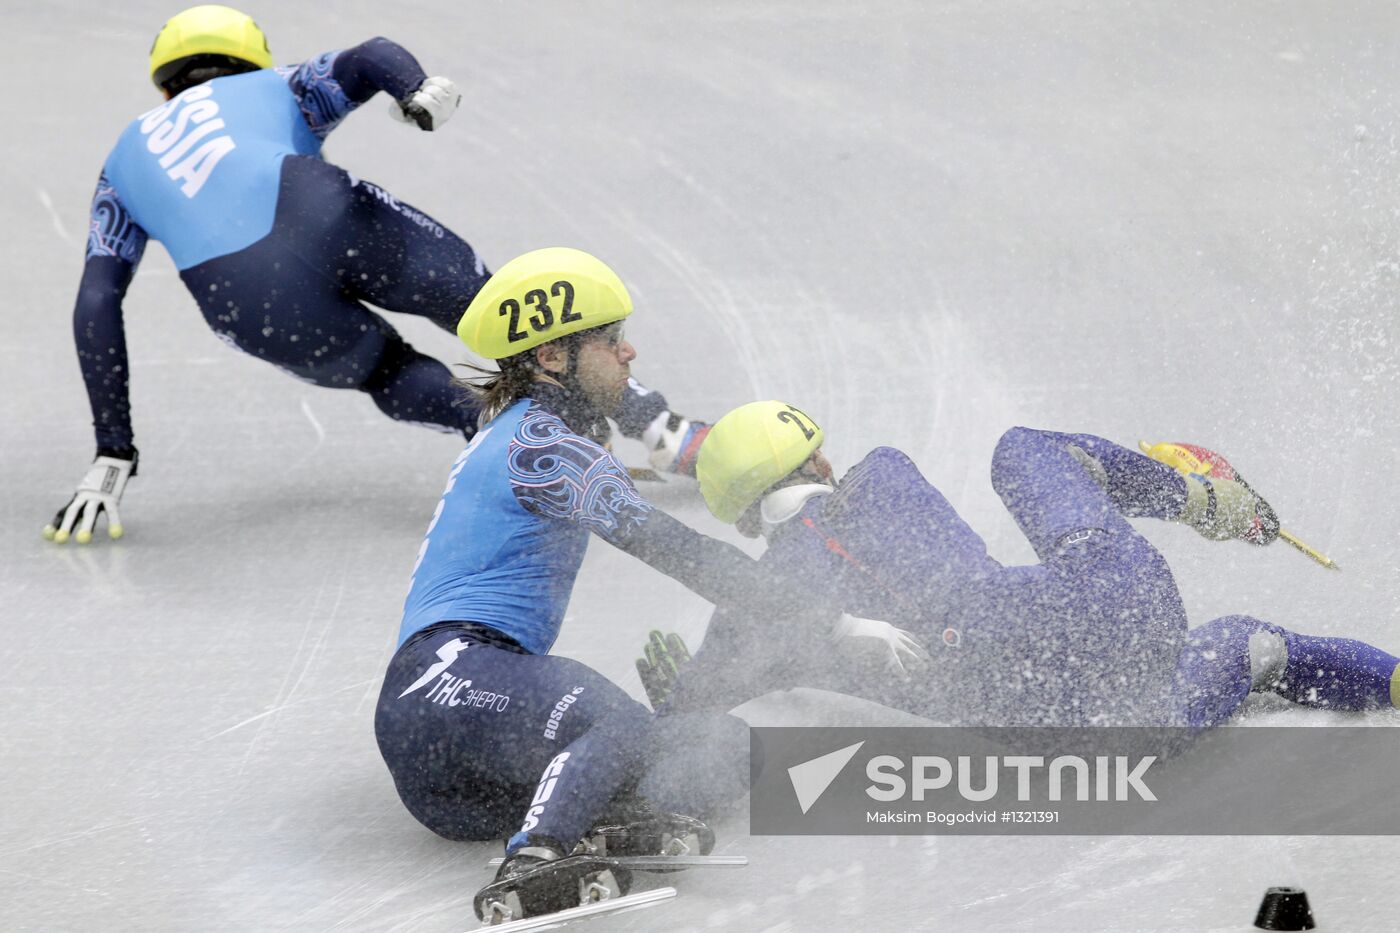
x=716, y=570
x=735, y=664
x=377, y=65
x=573, y=479
x=115, y=246
x=332, y=86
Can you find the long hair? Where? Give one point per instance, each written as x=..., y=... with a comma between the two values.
x=498, y=389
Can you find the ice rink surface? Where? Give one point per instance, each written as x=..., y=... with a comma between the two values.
x=921, y=222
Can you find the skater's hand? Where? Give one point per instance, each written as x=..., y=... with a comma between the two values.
x=100, y=491
x=664, y=655
x=430, y=106
x=893, y=648
x=674, y=442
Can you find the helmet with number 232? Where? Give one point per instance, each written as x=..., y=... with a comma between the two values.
x=542, y=296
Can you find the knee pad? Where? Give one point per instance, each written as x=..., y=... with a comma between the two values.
x=1268, y=656
x=1264, y=643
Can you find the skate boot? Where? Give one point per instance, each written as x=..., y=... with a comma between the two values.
x=643, y=830
x=537, y=880
x=1220, y=505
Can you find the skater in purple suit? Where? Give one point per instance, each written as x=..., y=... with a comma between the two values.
x=1094, y=634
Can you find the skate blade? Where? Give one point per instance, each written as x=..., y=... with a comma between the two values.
x=663, y=862
x=612, y=905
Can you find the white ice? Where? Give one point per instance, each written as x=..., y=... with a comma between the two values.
x=921, y=222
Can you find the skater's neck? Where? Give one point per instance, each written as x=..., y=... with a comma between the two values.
x=580, y=415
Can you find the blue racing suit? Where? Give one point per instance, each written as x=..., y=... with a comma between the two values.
x=281, y=250
x=474, y=710
x=1095, y=634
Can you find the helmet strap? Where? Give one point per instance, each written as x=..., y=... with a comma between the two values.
x=562, y=394
x=781, y=505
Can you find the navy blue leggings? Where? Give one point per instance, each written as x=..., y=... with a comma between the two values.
x=297, y=297
x=483, y=741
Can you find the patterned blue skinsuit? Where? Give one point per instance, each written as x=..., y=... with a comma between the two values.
x=281, y=250
x=1095, y=634
x=474, y=710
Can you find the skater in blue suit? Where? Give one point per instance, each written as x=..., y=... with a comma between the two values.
x=1095, y=634
x=484, y=731
x=281, y=250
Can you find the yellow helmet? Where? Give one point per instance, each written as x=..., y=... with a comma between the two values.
x=750, y=449
x=207, y=30
x=542, y=296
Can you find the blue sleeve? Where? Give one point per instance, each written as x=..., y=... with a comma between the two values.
x=101, y=343
x=114, y=247
x=111, y=231
x=558, y=474
x=746, y=654
x=331, y=86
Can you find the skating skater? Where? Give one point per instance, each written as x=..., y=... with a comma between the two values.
x=280, y=249
x=1093, y=634
x=483, y=730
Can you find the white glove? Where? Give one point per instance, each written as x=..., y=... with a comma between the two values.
x=430, y=106
x=674, y=442
x=899, y=651
x=100, y=490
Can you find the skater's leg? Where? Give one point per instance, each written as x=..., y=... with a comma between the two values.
x=466, y=729
x=401, y=259
x=698, y=762
x=1226, y=659
x=1109, y=597
x=1220, y=664
x=640, y=406
x=414, y=388
x=1048, y=491
x=271, y=304
x=579, y=782
x=1138, y=486
x=1338, y=673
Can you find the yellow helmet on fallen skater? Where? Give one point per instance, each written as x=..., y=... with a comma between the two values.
x=542, y=296
x=750, y=449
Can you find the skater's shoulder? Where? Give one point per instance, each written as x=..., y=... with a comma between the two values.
x=537, y=424
x=886, y=458
x=882, y=465
x=543, y=447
